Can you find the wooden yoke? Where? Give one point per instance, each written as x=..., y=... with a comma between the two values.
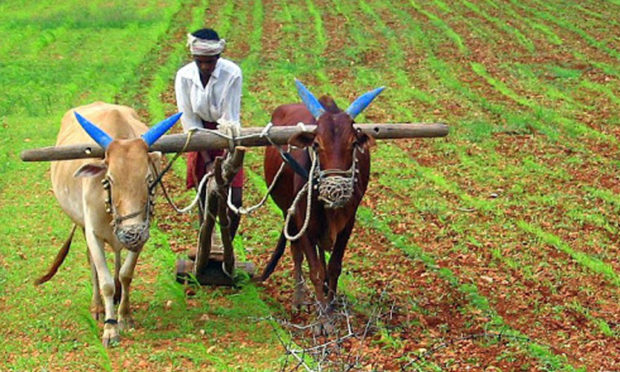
x=249, y=137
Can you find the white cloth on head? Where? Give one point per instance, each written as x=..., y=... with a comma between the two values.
x=204, y=47
x=219, y=100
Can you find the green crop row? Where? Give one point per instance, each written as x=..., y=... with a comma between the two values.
x=553, y=18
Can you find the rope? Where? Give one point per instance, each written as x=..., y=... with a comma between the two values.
x=244, y=211
x=178, y=154
x=308, y=189
x=336, y=186
x=200, y=185
x=233, y=138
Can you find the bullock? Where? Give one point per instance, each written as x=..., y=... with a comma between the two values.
x=110, y=199
x=339, y=177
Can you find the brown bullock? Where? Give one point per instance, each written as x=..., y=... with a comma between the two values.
x=339, y=178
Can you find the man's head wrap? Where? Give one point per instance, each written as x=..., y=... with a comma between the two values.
x=204, y=47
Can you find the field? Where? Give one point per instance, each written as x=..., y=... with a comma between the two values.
x=495, y=248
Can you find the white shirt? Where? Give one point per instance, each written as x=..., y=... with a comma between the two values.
x=219, y=100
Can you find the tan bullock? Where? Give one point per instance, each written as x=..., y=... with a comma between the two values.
x=109, y=199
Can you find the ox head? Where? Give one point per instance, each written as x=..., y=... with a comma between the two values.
x=335, y=142
x=129, y=171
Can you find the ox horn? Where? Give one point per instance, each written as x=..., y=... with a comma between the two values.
x=313, y=104
x=362, y=102
x=160, y=128
x=101, y=137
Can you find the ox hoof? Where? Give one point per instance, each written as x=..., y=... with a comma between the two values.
x=111, y=337
x=300, y=296
x=111, y=341
x=126, y=324
x=324, y=327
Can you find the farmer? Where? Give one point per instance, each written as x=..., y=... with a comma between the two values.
x=208, y=93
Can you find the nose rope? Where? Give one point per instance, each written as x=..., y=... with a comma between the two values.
x=308, y=190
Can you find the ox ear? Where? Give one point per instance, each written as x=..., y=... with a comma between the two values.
x=362, y=102
x=303, y=139
x=312, y=104
x=364, y=140
x=155, y=158
x=91, y=169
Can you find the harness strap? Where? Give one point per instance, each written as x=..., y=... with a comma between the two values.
x=287, y=157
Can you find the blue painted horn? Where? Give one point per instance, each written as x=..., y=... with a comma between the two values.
x=101, y=137
x=362, y=102
x=313, y=104
x=160, y=128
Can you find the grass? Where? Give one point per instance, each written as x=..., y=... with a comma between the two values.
x=533, y=122
x=170, y=316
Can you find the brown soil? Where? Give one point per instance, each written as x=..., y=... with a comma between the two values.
x=425, y=311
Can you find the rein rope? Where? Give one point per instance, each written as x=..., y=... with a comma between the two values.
x=308, y=190
x=335, y=186
x=244, y=211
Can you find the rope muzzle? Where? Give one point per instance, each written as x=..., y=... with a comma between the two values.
x=336, y=186
x=135, y=235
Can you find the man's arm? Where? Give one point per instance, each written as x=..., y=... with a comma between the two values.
x=232, y=103
x=189, y=119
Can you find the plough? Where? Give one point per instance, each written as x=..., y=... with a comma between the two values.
x=212, y=266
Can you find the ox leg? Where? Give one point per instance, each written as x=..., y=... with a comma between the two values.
x=96, y=305
x=323, y=264
x=125, y=320
x=335, y=263
x=317, y=276
x=299, y=296
x=117, y=283
x=106, y=285
x=317, y=272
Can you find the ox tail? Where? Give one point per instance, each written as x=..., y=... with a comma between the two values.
x=275, y=257
x=60, y=258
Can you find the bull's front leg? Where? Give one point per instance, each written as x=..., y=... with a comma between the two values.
x=106, y=286
x=125, y=320
x=117, y=268
x=335, y=263
x=317, y=276
x=96, y=305
x=299, y=296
